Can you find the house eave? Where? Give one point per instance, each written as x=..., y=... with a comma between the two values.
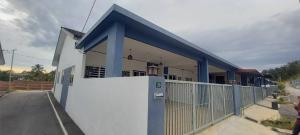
x=121, y=15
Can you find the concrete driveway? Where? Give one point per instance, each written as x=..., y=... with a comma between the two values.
x=27, y=113
x=293, y=91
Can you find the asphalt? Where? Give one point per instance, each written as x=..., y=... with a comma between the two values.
x=67, y=121
x=27, y=113
x=288, y=109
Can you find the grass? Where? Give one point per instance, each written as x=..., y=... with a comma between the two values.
x=283, y=101
x=283, y=123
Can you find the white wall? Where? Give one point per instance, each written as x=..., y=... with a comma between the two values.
x=69, y=57
x=103, y=106
x=110, y=106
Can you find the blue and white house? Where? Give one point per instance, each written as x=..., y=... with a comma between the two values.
x=111, y=80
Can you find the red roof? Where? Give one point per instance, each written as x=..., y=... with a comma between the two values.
x=253, y=71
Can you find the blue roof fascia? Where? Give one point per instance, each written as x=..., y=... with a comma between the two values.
x=135, y=23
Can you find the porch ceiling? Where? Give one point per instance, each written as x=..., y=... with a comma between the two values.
x=146, y=53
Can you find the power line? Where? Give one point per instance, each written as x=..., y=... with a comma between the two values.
x=32, y=57
x=88, y=15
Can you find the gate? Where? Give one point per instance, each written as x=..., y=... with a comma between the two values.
x=192, y=106
x=65, y=88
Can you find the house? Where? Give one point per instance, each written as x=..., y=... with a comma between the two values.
x=249, y=77
x=2, y=60
x=111, y=79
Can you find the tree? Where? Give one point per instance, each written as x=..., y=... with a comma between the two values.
x=286, y=72
x=4, y=75
x=36, y=73
x=50, y=76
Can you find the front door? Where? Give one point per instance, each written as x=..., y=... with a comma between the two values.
x=220, y=79
x=65, y=87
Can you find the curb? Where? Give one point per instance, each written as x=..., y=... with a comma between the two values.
x=57, y=116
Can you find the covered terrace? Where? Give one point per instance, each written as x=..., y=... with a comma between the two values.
x=124, y=44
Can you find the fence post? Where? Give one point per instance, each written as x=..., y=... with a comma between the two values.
x=156, y=106
x=212, y=104
x=194, y=108
x=224, y=103
x=254, y=95
x=237, y=99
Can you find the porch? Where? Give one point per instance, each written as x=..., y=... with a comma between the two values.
x=141, y=59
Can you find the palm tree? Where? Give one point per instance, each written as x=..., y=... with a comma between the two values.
x=37, y=72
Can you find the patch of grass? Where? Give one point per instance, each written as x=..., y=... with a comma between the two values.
x=281, y=87
x=283, y=123
x=283, y=101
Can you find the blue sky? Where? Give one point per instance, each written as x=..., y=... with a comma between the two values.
x=251, y=34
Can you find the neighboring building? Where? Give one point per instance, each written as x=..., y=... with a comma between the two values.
x=102, y=69
x=2, y=60
x=249, y=77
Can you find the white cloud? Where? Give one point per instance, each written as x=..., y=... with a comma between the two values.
x=229, y=28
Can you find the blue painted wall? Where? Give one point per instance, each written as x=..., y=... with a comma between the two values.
x=114, y=51
x=203, y=74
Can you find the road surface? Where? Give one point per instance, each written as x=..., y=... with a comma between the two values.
x=292, y=90
x=288, y=109
x=27, y=113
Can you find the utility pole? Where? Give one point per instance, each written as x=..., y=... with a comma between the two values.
x=11, y=67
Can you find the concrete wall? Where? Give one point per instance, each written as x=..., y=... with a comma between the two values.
x=108, y=106
x=69, y=57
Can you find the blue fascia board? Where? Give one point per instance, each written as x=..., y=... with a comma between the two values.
x=97, y=40
x=137, y=23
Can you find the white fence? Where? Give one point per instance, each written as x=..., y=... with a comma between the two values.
x=192, y=106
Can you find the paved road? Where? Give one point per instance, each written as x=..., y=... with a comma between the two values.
x=27, y=113
x=292, y=90
x=288, y=109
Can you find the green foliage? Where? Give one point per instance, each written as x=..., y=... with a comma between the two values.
x=282, y=122
x=4, y=75
x=287, y=72
x=37, y=73
x=281, y=86
x=283, y=101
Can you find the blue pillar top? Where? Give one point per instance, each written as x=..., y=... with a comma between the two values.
x=203, y=73
x=114, y=51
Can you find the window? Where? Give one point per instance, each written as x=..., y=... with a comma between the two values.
x=102, y=72
x=94, y=72
x=139, y=73
x=179, y=78
x=172, y=77
x=125, y=73
x=72, y=76
x=188, y=79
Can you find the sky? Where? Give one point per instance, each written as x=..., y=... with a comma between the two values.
x=249, y=33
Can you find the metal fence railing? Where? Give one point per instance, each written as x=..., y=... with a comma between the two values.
x=247, y=97
x=192, y=106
